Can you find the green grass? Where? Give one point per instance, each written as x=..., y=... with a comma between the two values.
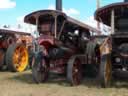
x=21, y=84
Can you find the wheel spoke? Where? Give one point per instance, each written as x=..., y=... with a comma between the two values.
x=76, y=72
x=108, y=71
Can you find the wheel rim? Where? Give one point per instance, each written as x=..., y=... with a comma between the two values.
x=76, y=72
x=1, y=58
x=39, y=73
x=108, y=71
x=33, y=61
x=43, y=69
x=20, y=58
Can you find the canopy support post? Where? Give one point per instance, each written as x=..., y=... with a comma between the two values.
x=36, y=45
x=112, y=21
x=55, y=26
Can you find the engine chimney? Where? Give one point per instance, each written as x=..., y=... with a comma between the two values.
x=125, y=0
x=59, y=5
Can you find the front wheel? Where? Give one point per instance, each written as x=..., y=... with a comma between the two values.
x=74, y=72
x=39, y=68
x=105, y=73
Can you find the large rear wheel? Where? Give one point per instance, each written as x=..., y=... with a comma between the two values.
x=105, y=73
x=39, y=68
x=17, y=57
x=74, y=71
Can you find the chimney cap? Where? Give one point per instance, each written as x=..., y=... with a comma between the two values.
x=59, y=5
x=125, y=0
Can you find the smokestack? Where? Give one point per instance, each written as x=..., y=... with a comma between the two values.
x=59, y=5
x=125, y=0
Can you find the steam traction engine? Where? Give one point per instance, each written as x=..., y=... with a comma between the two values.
x=61, y=45
x=13, y=50
x=114, y=49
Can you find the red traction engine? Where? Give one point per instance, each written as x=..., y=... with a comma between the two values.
x=60, y=46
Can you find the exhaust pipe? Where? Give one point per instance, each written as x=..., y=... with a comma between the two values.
x=59, y=5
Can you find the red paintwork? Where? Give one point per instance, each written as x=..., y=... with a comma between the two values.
x=46, y=41
x=57, y=65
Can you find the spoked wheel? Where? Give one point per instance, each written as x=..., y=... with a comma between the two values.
x=39, y=68
x=105, y=74
x=17, y=57
x=74, y=72
x=2, y=54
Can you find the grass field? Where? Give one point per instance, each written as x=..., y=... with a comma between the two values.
x=21, y=84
